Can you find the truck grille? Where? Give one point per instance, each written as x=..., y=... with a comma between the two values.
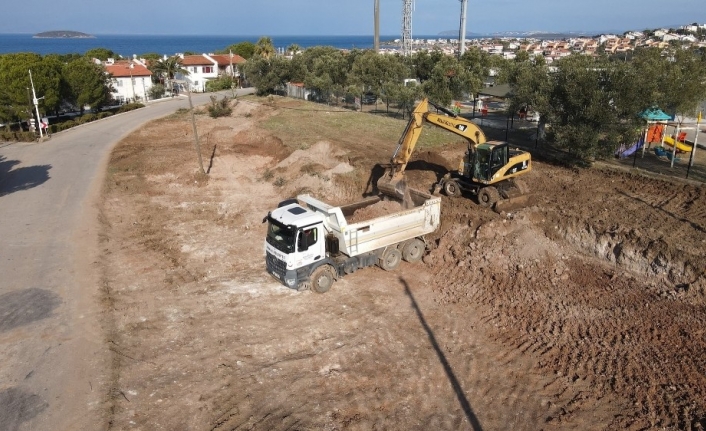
x=275, y=266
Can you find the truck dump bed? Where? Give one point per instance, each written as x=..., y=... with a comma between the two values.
x=359, y=237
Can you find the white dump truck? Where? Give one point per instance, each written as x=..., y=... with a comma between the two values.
x=310, y=243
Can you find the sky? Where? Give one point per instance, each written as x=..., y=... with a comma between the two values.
x=344, y=17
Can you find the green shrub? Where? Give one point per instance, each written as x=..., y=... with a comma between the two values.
x=130, y=107
x=67, y=125
x=157, y=91
x=87, y=118
x=26, y=136
x=222, y=83
x=8, y=136
x=219, y=108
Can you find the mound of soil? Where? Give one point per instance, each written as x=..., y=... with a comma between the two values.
x=378, y=209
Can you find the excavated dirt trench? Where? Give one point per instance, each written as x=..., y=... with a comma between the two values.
x=585, y=310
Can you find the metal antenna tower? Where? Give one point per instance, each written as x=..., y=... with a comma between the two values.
x=407, y=28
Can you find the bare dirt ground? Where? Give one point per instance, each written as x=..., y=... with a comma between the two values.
x=585, y=310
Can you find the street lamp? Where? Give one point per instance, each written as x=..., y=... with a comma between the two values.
x=36, y=104
x=29, y=106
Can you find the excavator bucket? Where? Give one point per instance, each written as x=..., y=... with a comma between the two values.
x=516, y=196
x=513, y=203
x=394, y=187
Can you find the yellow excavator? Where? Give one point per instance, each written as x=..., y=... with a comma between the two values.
x=489, y=169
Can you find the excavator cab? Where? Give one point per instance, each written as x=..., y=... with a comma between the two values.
x=484, y=161
x=489, y=160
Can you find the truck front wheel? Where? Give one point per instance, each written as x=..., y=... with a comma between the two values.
x=322, y=279
x=390, y=259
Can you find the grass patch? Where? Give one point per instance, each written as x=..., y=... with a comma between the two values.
x=301, y=124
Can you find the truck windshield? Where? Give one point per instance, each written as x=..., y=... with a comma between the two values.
x=280, y=237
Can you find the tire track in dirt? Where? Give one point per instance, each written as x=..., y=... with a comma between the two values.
x=617, y=334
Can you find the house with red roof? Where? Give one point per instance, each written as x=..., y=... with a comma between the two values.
x=205, y=67
x=131, y=80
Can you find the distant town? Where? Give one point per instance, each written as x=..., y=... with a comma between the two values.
x=693, y=35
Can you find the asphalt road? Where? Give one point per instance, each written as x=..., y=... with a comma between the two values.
x=54, y=361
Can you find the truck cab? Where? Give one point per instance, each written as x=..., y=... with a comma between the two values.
x=295, y=239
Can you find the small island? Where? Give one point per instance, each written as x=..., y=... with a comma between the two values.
x=62, y=34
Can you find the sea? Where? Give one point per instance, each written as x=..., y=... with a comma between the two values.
x=129, y=45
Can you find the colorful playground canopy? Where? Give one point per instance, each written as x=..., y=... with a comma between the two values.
x=655, y=114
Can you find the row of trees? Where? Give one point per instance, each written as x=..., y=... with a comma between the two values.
x=331, y=72
x=74, y=80
x=592, y=104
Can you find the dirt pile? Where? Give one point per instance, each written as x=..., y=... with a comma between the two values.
x=583, y=311
x=378, y=209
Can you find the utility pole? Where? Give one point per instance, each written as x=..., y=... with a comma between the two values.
x=196, y=134
x=407, y=28
x=462, y=29
x=376, y=40
x=36, y=104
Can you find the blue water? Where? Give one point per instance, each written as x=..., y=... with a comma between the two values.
x=127, y=45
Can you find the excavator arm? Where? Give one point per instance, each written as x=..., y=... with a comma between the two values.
x=392, y=182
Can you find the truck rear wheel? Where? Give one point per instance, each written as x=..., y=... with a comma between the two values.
x=390, y=259
x=487, y=196
x=322, y=279
x=413, y=250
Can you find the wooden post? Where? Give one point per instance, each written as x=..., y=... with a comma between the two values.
x=196, y=134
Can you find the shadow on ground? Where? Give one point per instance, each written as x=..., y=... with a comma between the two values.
x=25, y=306
x=14, y=180
x=18, y=406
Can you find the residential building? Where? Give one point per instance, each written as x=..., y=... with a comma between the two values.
x=131, y=80
x=205, y=67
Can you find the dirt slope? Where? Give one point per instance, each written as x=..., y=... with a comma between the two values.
x=583, y=311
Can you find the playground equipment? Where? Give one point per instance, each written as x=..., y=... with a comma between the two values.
x=669, y=143
x=624, y=152
x=682, y=145
x=661, y=152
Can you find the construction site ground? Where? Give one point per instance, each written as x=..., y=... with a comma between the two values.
x=583, y=311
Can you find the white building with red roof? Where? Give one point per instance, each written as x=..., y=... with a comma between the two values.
x=205, y=67
x=131, y=80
